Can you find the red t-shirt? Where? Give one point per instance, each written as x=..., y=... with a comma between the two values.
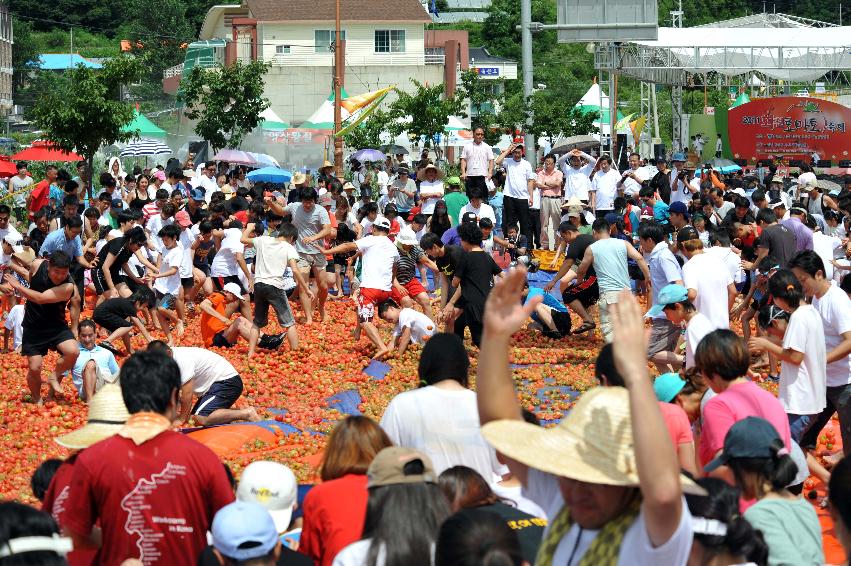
x=740, y=400
x=334, y=513
x=39, y=197
x=677, y=422
x=155, y=502
x=56, y=503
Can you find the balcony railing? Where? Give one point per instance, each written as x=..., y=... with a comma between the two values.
x=435, y=59
x=175, y=71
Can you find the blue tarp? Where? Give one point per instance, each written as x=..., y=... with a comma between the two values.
x=63, y=61
x=346, y=402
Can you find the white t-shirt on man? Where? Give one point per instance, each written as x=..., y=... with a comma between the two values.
x=803, y=388
x=202, y=365
x=698, y=327
x=484, y=211
x=834, y=307
x=517, y=177
x=272, y=255
x=605, y=186
x=14, y=323
x=225, y=264
x=379, y=257
x=709, y=276
x=422, y=327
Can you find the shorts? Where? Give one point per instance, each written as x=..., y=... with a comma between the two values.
x=342, y=259
x=562, y=321
x=220, y=341
x=635, y=272
x=99, y=281
x=164, y=300
x=368, y=300
x=413, y=287
x=309, y=261
x=203, y=268
x=587, y=292
x=39, y=343
x=111, y=322
x=221, y=395
x=664, y=335
x=266, y=296
x=329, y=267
x=187, y=282
x=219, y=282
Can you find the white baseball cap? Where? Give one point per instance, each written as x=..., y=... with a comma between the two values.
x=233, y=288
x=14, y=240
x=273, y=486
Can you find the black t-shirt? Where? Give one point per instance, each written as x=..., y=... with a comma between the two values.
x=288, y=558
x=576, y=251
x=122, y=308
x=197, y=216
x=476, y=271
x=780, y=242
x=449, y=262
x=528, y=528
x=47, y=318
x=122, y=254
x=36, y=239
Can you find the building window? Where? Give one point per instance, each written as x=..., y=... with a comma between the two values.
x=282, y=50
x=389, y=41
x=323, y=38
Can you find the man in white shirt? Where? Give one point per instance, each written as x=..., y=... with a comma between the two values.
x=710, y=286
x=378, y=278
x=477, y=163
x=518, y=190
x=431, y=188
x=412, y=326
x=577, y=177
x=478, y=207
x=719, y=145
x=207, y=180
x=681, y=191
x=604, y=187
x=699, y=142
x=630, y=181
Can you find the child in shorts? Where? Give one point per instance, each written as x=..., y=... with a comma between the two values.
x=167, y=282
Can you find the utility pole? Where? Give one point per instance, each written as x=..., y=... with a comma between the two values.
x=338, y=83
x=528, y=76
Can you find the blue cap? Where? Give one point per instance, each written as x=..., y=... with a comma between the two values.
x=117, y=203
x=197, y=194
x=678, y=207
x=611, y=217
x=244, y=531
x=678, y=157
x=667, y=386
x=668, y=295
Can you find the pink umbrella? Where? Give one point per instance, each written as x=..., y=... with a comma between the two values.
x=236, y=157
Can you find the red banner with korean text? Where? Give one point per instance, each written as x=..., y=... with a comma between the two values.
x=790, y=127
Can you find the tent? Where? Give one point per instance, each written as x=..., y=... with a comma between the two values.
x=590, y=102
x=741, y=99
x=146, y=128
x=272, y=122
x=323, y=118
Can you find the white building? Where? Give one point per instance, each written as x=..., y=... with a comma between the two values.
x=6, y=41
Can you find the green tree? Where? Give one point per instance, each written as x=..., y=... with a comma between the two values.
x=226, y=101
x=550, y=117
x=24, y=54
x=82, y=108
x=368, y=133
x=427, y=109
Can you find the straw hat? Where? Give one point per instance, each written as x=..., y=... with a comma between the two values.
x=326, y=164
x=299, y=178
x=592, y=444
x=440, y=174
x=107, y=415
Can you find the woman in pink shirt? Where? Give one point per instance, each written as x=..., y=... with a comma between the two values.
x=723, y=359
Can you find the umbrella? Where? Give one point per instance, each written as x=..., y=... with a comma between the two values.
x=235, y=156
x=145, y=147
x=368, y=155
x=263, y=159
x=394, y=149
x=7, y=168
x=828, y=186
x=724, y=165
x=270, y=175
x=42, y=150
x=577, y=142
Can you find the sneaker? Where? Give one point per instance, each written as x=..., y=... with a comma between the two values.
x=108, y=345
x=271, y=341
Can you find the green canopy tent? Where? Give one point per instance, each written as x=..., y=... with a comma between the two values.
x=743, y=98
x=144, y=126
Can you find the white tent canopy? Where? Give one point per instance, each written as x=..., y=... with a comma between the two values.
x=791, y=54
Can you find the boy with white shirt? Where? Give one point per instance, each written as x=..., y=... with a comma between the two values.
x=709, y=283
x=13, y=325
x=477, y=206
x=167, y=281
x=412, y=326
x=604, y=187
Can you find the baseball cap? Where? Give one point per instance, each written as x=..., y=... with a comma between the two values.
x=678, y=157
x=678, y=207
x=668, y=295
x=197, y=194
x=182, y=218
x=382, y=223
x=233, y=288
x=14, y=241
x=244, y=531
x=455, y=181
x=667, y=386
x=273, y=486
x=751, y=437
x=611, y=217
x=117, y=203
x=469, y=217
x=687, y=233
x=388, y=467
x=159, y=174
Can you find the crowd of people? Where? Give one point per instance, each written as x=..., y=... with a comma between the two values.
x=450, y=475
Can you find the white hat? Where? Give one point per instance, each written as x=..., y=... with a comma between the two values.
x=406, y=237
x=14, y=240
x=382, y=223
x=739, y=191
x=233, y=288
x=273, y=486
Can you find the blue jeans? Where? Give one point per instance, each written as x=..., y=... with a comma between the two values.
x=799, y=424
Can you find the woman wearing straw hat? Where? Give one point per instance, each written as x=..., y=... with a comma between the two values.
x=107, y=415
x=611, y=491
